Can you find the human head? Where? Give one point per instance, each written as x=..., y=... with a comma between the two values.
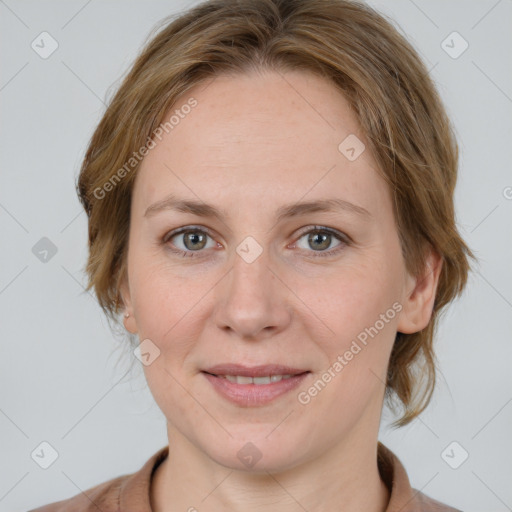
x=386, y=85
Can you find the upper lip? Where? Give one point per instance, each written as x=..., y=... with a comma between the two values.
x=253, y=371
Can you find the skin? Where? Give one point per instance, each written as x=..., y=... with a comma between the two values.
x=253, y=143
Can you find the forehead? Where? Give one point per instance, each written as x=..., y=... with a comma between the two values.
x=266, y=136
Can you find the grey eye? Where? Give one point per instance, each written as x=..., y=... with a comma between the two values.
x=193, y=240
x=319, y=240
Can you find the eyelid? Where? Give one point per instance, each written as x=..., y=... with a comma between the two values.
x=302, y=232
x=184, y=229
x=342, y=237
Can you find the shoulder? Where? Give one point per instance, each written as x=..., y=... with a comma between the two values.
x=427, y=504
x=404, y=498
x=104, y=497
x=129, y=492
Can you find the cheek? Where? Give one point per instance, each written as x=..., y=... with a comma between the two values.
x=168, y=389
x=357, y=355
x=360, y=308
x=353, y=298
x=164, y=301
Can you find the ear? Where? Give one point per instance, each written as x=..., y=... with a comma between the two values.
x=420, y=296
x=130, y=323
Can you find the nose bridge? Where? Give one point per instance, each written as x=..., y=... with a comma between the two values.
x=250, y=274
x=250, y=270
x=251, y=301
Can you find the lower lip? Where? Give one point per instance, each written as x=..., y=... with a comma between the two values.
x=251, y=395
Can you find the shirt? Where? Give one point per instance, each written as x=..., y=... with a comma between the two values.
x=131, y=492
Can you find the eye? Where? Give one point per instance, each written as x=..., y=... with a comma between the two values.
x=193, y=240
x=321, y=238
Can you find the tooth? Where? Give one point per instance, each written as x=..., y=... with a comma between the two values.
x=243, y=380
x=261, y=380
x=239, y=379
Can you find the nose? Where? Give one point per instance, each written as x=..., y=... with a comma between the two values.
x=252, y=301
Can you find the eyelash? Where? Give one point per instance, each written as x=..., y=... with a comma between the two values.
x=344, y=239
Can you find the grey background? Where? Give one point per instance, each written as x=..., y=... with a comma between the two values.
x=59, y=377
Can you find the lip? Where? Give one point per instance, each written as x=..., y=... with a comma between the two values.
x=253, y=395
x=253, y=371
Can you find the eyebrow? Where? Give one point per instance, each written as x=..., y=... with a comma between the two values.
x=293, y=210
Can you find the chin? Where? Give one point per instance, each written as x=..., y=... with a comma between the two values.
x=250, y=451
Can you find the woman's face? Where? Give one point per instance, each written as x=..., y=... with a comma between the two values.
x=258, y=280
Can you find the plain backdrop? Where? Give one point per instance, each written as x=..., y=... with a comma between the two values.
x=59, y=378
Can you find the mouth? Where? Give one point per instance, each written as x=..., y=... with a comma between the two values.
x=256, y=385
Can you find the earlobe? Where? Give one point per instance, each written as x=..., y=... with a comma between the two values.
x=420, y=295
x=128, y=317
x=129, y=323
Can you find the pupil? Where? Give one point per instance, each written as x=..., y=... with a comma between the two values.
x=320, y=238
x=194, y=238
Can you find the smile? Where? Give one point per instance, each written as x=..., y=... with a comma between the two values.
x=240, y=379
x=253, y=386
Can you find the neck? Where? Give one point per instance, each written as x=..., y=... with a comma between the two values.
x=347, y=475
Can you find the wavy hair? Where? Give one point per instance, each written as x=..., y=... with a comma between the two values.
x=385, y=82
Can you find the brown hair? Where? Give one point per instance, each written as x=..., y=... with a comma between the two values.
x=384, y=81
